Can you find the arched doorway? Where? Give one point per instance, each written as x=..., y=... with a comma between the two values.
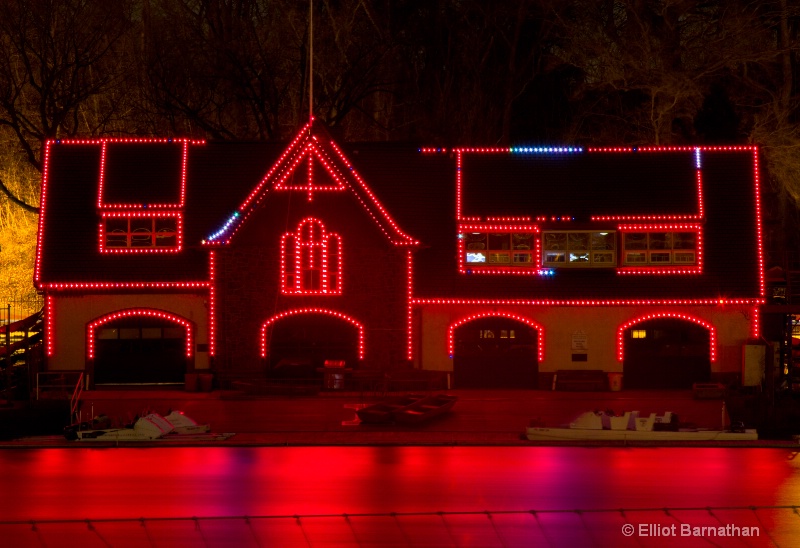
x=495, y=352
x=666, y=352
x=139, y=347
x=298, y=343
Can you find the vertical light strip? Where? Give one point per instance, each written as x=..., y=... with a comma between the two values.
x=184, y=161
x=48, y=317
x=37, y=268
x=410, y=295
x=102, y=176
x=759, y=233
x=459, y=182
x=212, y=303
x=310, y=176
x=700, y=205
x=756, y=323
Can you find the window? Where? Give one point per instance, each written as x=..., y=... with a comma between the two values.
x=660, y=248
x=126, y=232
x=311, y=260
x=638, y=334
x=499, y=248
x=579, y=248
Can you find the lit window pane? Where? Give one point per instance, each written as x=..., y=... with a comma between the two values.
x=661, y=240
x=602, y=240
x=578, y=241
x=636, y=240
x=579, y=257
x=499, y=241
x=660, y=257
x=555, y=240
x=555, y=257
x=685, y=240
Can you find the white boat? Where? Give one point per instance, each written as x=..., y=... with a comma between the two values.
x=183, y=424
x=599, y=425
x=150, y=427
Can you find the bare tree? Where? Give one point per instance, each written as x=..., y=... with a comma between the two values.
x=474, y=66
x=646, y=66
x=54, y=60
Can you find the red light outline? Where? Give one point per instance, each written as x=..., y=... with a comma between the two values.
x=697, y=268
x=759, y=229
x=49, y=308
x=212, y=303
x=404, y=239
x=718, y=301
x=295, y=266
x=101, y=204
x=42, y=206
x=290, y=150
x=534, y=269
x=409, y=305
x=756, y=323
x=68, y=286
x=303, y=145
x=309, y=152
x=297, y=311
x=623, y=270
x=132, y=312
x=510, y=315
x=712, y=331
x=177, y=215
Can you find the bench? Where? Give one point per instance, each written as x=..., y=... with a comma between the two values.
x=581, y=380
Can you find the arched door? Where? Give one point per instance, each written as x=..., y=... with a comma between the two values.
x=299, y=344
x=666, y=353
x=139, y=350
x=495, y=352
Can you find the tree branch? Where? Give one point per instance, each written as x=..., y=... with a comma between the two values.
x=22, y=203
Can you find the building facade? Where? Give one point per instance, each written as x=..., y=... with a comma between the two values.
x=499, y=266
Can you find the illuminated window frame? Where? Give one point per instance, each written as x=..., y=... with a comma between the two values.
x=522, y=319
x=153, y=234
x=311, y=249
x=300, y=311
x=511, y=266
x=143, y=313
x=650, y=267
x=595, y=258
x=712, y=331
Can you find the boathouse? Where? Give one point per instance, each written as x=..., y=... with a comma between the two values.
x=497, y=267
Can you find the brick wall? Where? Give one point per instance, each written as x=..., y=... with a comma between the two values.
x=374, y=290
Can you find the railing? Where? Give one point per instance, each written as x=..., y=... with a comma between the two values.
x=58, y=384
x=20, y=345
x=14, y=308
x=75, y=401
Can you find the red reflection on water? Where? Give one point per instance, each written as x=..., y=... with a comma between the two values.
x=178, y=482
